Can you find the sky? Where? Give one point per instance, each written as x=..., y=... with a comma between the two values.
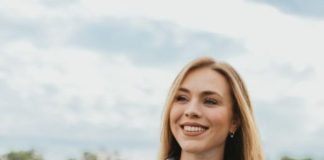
x=93, y=75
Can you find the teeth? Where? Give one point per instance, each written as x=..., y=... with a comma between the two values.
x=194, y=129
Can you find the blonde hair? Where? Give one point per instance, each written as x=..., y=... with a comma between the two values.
x=246, y=144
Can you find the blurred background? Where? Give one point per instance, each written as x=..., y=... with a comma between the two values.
x=88, y=78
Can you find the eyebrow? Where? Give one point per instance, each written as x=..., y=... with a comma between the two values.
x=203, y=93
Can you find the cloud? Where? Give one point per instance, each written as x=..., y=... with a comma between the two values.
x=315, y=141
x=58, y=3
x=298, y=7
x=295, y=74
x=77, y=99
x=145, y=41
x=281, y=121
x=141, y=40
x=17, y=29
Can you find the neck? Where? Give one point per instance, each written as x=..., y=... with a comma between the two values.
x=211, y=155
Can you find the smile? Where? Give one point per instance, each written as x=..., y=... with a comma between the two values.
x=193, y=129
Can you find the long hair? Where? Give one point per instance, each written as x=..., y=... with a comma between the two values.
x=246, y=143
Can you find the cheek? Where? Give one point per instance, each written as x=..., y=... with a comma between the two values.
x=220, y=118
x=175, y=114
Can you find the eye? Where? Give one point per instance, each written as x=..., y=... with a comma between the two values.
x=210, y=101
x=181, y=99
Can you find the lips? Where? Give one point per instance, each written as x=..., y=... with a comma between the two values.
x=193, y=129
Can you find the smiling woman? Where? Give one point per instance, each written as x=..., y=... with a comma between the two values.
x=209, y=116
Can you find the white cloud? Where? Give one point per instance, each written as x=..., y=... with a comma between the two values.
x=264, y=29
x=78, y=95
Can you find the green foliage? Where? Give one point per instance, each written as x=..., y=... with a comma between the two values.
x=21, y=155
x=89, y=156
x=290, y=158
x=287, y=158
x=31, y=155
x=98, y=156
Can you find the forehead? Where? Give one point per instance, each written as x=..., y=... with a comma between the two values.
x=206, y=79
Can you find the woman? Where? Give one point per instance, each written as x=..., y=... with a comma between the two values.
x=208, y=116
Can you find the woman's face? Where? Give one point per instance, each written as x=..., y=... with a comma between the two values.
x=201, y=115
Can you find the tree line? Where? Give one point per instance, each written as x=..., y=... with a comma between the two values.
x=33, y=155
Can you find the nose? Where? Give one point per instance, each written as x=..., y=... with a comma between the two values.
x=193, y=110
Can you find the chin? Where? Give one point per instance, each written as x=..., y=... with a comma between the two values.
x=193, y=150
x=192, y=147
